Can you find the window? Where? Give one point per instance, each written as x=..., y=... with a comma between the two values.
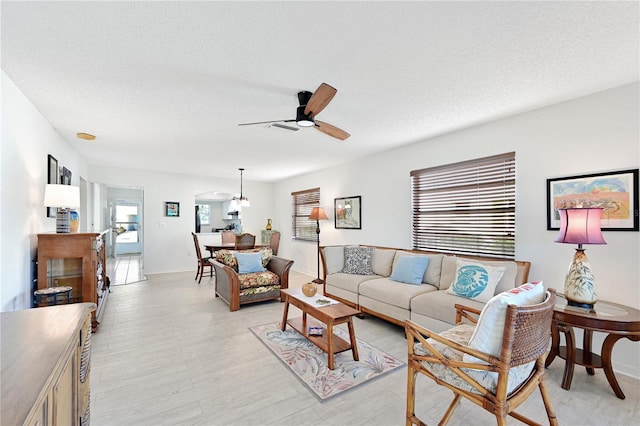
x=204, y=210
x=303, y=202
x=466, y=208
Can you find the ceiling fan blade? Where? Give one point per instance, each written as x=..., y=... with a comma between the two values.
x=320, y=99
x=266, y=122
x=331, y=130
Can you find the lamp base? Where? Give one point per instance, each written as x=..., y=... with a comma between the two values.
x=318, y=281
x=588, y=306
x=63, y=221
x=580, y=285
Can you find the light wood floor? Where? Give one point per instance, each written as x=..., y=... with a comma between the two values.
x=125, y=269
x=168, y=353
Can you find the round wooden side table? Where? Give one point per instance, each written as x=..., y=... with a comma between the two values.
x=616, y=320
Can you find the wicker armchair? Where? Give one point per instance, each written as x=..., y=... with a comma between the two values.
x=240, y=289
x=485, y=380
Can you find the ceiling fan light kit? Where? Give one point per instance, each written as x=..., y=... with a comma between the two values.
x=302, y=119
x=311, y=104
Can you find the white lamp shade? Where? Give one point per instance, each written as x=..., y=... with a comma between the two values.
x=62, y=196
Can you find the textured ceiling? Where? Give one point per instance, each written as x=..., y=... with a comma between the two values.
x=163, y=85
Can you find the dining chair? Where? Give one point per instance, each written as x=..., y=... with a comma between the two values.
x=203, y=262
x=228, y=237
x=274, y=243
x=498, y=383
x=245, y=241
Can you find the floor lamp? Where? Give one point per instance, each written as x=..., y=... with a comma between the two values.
x=318, y=214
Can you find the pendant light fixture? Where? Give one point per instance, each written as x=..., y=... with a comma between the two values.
x=242, y=201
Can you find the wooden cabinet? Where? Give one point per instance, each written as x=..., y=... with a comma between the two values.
x=77, y=260
x=46, y=357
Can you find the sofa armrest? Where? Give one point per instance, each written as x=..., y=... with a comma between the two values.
x=280, y=267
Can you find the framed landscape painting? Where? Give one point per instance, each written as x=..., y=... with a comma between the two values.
x=348, y=213
x=616, y=192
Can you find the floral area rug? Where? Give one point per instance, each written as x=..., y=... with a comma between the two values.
x=309, y=363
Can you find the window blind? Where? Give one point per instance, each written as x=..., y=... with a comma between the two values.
x=466, y=208
x=304, y=228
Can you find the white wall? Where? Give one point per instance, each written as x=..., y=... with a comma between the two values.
x=168, y=245
x=27, y=139
x=586, y=135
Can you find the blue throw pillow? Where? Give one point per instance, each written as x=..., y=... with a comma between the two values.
x=249, y=262
x=409, y=269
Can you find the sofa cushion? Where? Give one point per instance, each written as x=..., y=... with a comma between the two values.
x=487, y=336
x=334, y=257
x=488, y=379
x=382, y=262
x=432, y=274
x=348, y=282
x=249, y=262
x=393, y=292
x=409, y=269
x=258, y=279
x=507, y=282
x=440, y=305
x=357, y=260
x=475, y=281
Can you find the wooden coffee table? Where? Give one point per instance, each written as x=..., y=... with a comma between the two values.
x=327, y=315
x=618, y=321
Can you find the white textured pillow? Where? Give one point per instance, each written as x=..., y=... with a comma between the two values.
x=487, y=337
x=382, y=261
x=475, y=281
x=334, y=255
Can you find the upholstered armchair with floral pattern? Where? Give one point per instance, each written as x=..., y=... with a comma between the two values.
x=248, y=276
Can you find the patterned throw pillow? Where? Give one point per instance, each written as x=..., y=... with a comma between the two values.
x=227, y=257
x=357, y=260
x=475, y=281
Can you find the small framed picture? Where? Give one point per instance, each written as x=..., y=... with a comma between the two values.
x=347, y=212
x=172, y=209
x=52, y=168
x=65, y=176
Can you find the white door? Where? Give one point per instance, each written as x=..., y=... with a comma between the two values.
x=127, y=227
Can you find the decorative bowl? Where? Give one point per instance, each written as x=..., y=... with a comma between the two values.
x=309, y=289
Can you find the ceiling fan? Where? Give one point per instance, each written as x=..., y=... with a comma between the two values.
x=310, y=106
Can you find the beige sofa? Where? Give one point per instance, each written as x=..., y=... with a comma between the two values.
x=428, y=304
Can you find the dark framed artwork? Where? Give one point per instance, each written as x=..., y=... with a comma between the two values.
x=348, y=212
x=171, y=209
x=65, y=176
x=616, y=192
x=52, y=177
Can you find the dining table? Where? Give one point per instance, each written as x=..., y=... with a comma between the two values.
x=212, y=248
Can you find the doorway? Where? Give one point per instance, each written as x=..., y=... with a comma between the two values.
x=127, y=227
